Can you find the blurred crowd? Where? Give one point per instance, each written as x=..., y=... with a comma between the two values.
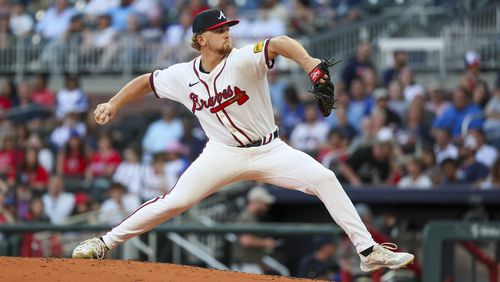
x=98, y=29
x=390, y=130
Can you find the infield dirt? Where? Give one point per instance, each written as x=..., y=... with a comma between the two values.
x=76, y=270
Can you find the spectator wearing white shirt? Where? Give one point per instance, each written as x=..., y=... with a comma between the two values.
x=180, y=33
x=265, y=26
x=70, y=126
x=444, y=148
x=21, y=23
x=45, y=155
x=415, y=179
x=162, y=132
x=103, y=38
x=493, y=180
x=128, y=173
x=177, y=35
x=411, y=89
x=56, y=20
x=158, y=178
x=309, y=135
x=71, y=99
x=99, y=7
x=118, y=206
x=58, y=204
x=103, y=35
x=485, y=154
x=113, y=210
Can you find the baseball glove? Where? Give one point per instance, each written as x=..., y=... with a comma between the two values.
x=324, y=92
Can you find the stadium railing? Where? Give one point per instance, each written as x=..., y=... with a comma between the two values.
x=467, y=234
x=269, y=229
x=478, y=31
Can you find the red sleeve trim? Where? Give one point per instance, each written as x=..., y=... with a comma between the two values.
x=152, y=84
x=269, y=63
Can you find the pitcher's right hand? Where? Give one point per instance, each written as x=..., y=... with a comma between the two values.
x=105, y=112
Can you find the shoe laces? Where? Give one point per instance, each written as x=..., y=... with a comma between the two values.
x=100, y=248
x=387, y=249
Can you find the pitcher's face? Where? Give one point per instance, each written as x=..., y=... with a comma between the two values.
x=219, y=40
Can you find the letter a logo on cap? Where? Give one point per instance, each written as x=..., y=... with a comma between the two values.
x=221, y=16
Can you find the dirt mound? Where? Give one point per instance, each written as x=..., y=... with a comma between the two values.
x=76, y=270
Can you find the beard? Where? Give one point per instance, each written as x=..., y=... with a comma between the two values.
x=226, y=48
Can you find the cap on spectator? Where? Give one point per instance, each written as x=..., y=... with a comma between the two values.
x=385, y=135
x=210, y=19
x=176, y=147
x=449, y=161
x=380, y=93
x=81, y=198
x=470, y=142
x=413, y=91
x=73, y=133
x=260, y=194
x=76, y=17
x=472, y=60
x=116, y=185
x=322, y=240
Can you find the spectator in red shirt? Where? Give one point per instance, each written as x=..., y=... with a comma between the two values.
x=36, y=175
x=104, y=161
x=42, y=95
x=72, y=160
x=32, y=245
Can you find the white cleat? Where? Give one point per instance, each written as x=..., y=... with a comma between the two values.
x=383, y=255
x=90, y=249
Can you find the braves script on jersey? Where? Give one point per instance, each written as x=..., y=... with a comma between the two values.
x=232, y=102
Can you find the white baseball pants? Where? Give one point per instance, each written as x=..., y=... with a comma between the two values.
x=219, y=165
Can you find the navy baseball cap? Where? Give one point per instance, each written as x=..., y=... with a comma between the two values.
x=210, y=19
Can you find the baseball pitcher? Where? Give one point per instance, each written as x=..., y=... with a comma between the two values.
x=226, y=88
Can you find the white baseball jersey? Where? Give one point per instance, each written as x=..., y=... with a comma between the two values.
x=232, y=102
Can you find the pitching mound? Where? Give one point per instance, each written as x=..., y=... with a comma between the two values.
x=76, y=270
